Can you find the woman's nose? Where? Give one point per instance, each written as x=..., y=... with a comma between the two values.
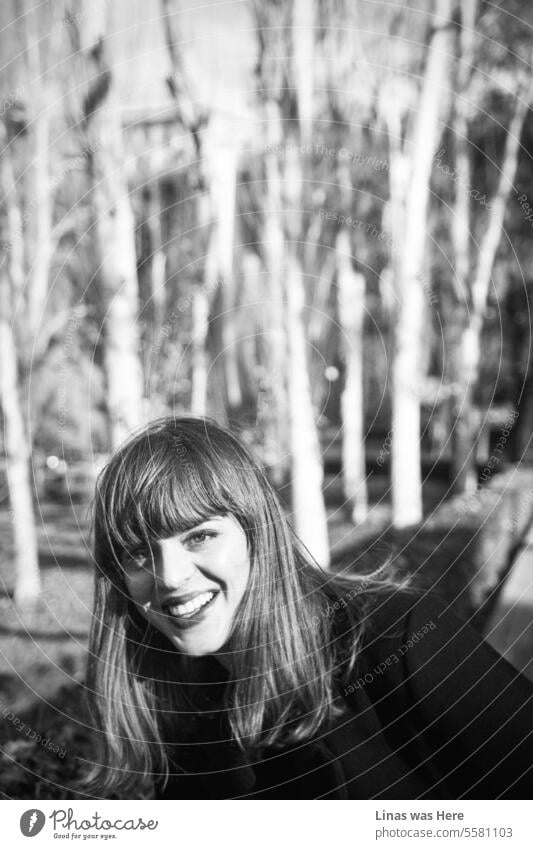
x=174, y=564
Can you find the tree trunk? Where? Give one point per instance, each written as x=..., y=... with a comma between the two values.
x=351, y=304
x=16, y=441
x=463, y=460
x=307, y=469
x=351, y=314
x=224, y=187
x=115, y=231
x=274, y=258
x=406, y=372
x=194, y=121
x=200, y=329
x=470, y=345
x=158, y=258
x=17, y=455
x=42, y=199
x=303, y=36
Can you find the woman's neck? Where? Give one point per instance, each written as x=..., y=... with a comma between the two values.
x=226, y=659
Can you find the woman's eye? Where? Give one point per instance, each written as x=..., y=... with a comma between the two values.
x=200, y=537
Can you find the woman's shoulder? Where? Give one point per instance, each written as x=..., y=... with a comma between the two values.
x=398, y=618
x=388, y=609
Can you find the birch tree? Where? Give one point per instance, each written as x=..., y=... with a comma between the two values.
x=271, y=22
x=462, y=465
x=473, y=268
x=223, y=160
x=29, y=245
x=296, y=111
x=341, y=63
x=478, y=294
x=114, y=221
x=410, y=247
x=17, y=444
x=194, y=120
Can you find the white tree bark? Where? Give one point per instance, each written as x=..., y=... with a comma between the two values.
x=16, y=439
x=307, y=468
x=303, y=58
x=194, y=121
x=17, y=457
x=463, y=473
x=200, y=329
x=307, y=471
x=115, y=229
x=351, y=311
x=223, y=161
x=283, y=251
x=274, y=258
x=40, y=242
x=406, y=372
x=158, y=257
x=470, y=345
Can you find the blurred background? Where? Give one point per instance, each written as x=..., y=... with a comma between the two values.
x=309, y=219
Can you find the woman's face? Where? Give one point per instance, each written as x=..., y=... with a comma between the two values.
x=189, y=586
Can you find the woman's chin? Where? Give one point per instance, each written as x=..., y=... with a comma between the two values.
x=197, y=645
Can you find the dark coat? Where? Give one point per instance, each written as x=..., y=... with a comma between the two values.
x=433, y=712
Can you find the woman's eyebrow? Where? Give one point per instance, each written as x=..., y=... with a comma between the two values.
x=201, y=524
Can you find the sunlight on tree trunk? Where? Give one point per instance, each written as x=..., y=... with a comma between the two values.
x=41, y=220
x=303, y=36
x=42, y=253
x=307, y=468
x=158, y=257
x=470, y=345
x=17, y=455
x=223, y=161
x=351, y=313
x=351, y=301
x=194, y=120
x=463, y=465
x=114, y=227
x=16, y=439
x=200, y=328
x=307, y=473
x=274, y=257
x=406, y=372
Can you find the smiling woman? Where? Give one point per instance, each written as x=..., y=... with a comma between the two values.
x=224, y=663
x=190, y=585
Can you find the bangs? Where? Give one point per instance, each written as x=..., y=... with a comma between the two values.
x=160, y=487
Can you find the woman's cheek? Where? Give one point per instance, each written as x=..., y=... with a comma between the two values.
x=140, y=588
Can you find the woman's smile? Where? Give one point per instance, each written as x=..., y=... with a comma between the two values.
x=189, y=586
x=190, y=608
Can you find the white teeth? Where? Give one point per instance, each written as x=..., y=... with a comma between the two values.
x=192, y=606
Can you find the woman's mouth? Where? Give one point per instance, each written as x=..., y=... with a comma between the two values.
x=191, y=608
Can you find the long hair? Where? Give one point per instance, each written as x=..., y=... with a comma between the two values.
x=288, y=648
